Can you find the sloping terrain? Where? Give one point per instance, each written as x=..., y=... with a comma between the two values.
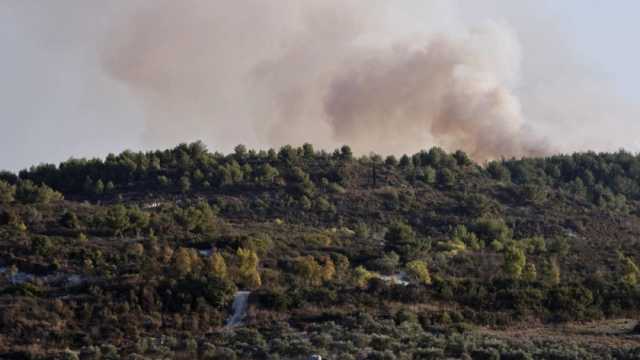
x=427, y=256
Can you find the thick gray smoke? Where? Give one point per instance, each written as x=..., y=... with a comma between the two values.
x=288, y=72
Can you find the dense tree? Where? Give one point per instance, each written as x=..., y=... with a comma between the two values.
x=429, y=175
x=267, y=174
x=529, y=273
x=41, y=245
x=514, y=261
x=346, y=153
x=183, y=261
x=405, y=161
x=138, y=220
x=185, y=184
x=29, y=193
x=163, y=181
x=490, y=229
x=328, y=271
x=445, y=178
x=117, y=219
x=70, y=220
x=498, y=171
x=419, y=271
x=252, y=208
x=98, y=188
x=248, y=274
x=391, y=160
x=631, y=272
x=198, y=218
x=462, y=234
x=300, y=183
x=109, y=188
x=401, y=238
x=308, y=151
x=551, y=274
x=388, y=263
x=309, y=270
x=218, y=266
x=362, y=276
x=400, y=233
x=7, y=192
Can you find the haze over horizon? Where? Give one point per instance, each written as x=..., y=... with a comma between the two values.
x=495, y=78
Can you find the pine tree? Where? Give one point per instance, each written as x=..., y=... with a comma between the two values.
x=630, y=270
x=418, y=270
x=7, y=192
x=529, y=274
x=309, y=270
x=248, y=268
x=183, y=264
x=328, y=269
x=551, y=274
x=361, y=276
x=514, y=261
x=98, y=188
x=218, y=266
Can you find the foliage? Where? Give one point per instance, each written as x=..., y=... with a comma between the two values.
x=631, y=272
x=514, y=261
x=490, y=229
x=29, y=193
x=418, y=270
x=184, y=261
x=552, y=272
x=361, y=276
x=7, y=192
x=218, y=266
x=461, y=234
x=248, y=274
x=117, y=262
x=309, y=270
x=529, y=273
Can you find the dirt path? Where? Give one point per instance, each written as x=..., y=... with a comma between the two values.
x=239, y=307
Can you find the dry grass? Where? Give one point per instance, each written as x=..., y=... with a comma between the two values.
x=596, y=334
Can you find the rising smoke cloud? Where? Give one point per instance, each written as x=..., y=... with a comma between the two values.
x=454, y=92
x=84, y=78
x=293, y=73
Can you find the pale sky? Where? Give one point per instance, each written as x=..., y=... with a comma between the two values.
x=58, y=102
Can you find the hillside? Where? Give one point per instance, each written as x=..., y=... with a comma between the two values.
x=427, y=256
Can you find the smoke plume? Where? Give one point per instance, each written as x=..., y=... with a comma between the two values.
x=453, y=92
x=293, y=73
x=383, y=76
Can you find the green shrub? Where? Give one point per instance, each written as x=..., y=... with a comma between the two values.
x=490, y=229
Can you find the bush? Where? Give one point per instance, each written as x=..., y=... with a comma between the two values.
x=418, y=270
x=26, y=289
x=41, y=245
x=29, y=193
x=446, y=178
x=274, y=299
x=387, y=264
x=185, y=292
x=7, y=192
x=460, y=233
x=569, y=302
x=490, y=229
x=400, y=237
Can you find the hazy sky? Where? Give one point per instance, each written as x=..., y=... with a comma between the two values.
x=576, y=77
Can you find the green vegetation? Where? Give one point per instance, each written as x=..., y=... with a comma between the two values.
x=422, y=256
